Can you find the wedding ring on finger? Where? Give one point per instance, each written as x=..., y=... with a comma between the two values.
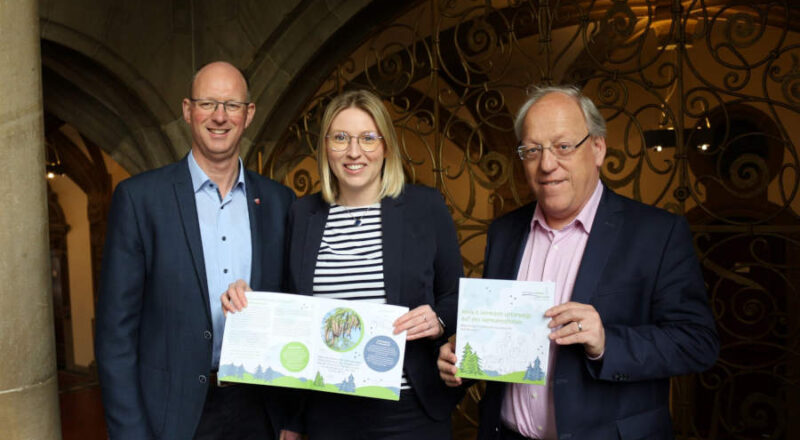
x=580, y=327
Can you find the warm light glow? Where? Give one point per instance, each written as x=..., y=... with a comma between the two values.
x=703, y=147
x=658, y=148
x=51, y=175
x=674, y=46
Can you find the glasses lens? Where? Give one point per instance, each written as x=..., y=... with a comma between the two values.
x=527, y=153
x=206, y=105
x=340, y=138
x=368, y=139
x=563, y=149
x=338, y=141
x=233, y=106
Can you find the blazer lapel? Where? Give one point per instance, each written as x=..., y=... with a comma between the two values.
x=605, y=231
x=520, y=236
x=510, y=244
x=253, y=193
x=184, y=194
x=393, y=233
x=313, y=239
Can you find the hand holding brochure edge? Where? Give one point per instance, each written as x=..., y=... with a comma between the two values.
x=419, y=323
x=235, y=298
x=447, y=364
x=580, y=324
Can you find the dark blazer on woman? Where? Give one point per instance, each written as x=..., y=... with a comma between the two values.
x=421, y=265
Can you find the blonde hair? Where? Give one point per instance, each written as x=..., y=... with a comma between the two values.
x=392, y=177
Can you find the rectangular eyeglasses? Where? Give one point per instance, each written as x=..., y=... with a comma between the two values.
x=560, y=150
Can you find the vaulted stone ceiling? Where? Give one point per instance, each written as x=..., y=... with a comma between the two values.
x=117, y=70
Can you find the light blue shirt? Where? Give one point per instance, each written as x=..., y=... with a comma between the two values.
x=227, y=248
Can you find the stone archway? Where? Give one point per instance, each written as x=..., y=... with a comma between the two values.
x=281, y=61
x=79, y=91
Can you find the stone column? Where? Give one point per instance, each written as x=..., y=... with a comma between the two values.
x=28, y=381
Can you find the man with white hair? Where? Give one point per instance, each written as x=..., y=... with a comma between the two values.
x=631, y=309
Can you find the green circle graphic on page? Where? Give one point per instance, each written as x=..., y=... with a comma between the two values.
x=294, y=356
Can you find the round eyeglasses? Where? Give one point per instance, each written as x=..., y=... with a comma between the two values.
x=560, y=150
x=340, y=140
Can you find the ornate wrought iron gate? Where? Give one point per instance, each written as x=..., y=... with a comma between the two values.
x=702, y=100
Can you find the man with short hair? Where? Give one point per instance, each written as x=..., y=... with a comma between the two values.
x=630, y=306
x=177, y=236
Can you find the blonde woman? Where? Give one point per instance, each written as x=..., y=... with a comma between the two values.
x=368, y=236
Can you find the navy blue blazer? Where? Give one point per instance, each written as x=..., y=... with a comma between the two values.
x=153, y=317
x=421, y=265
x=640, y=271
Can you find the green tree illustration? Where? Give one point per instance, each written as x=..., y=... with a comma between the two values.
x=339, y=327
x=318, y=382
x=470, y=362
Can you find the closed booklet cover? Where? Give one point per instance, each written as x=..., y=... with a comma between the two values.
x=502, y=333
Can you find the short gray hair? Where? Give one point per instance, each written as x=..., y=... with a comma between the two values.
x=595, y=122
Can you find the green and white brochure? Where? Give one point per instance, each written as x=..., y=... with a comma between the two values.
x=320, y=344
x=502, y=333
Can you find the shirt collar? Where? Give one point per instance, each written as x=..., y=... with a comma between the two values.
x=200, y=178
x=585, y=218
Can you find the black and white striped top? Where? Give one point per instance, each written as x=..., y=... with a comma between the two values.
x=350, y=258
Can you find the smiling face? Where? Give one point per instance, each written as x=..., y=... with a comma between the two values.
x=358, y=173
x=562, y=186
x=216, y=134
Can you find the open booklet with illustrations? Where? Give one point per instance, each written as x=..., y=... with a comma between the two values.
x=320, y=344
x=502, y=333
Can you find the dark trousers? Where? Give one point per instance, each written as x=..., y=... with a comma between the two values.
x=234, y=413
x=339, y=417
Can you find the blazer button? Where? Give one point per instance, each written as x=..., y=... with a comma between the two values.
x=207, y=334
x=202, y=378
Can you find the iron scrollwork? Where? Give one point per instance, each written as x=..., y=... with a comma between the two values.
x=702, y=100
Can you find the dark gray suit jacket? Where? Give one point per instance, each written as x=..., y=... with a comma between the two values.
x=153, y=318
x=640, y=271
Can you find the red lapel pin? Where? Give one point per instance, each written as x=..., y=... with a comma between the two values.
x=257, y=201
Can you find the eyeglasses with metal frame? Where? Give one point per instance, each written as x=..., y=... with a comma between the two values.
x=560, y=150
x=340, y=140
x=210, y=105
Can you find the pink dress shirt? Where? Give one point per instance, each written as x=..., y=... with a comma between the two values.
x=550, y=255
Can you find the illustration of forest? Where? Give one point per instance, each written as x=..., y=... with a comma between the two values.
x=341, y=329
x=470, y=362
